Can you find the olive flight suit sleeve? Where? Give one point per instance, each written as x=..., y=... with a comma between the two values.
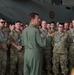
x=0, y=43
x=23, y=37
x=42, y=42
x=48, y=40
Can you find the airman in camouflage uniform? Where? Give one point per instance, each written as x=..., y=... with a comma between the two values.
x=3, y=48
x=60, y=51
x=66, y=27
x=47, y=50
x=51, y=33
x=71, y=46
x=16, y=51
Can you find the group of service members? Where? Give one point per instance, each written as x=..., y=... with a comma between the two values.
x=60, y=53
x=61, y=50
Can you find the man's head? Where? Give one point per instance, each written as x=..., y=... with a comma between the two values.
x=11, y=27
x=22, y=27
x=73, y=23
x=60, y=27
x=48, y=26
x=34, y=19
x=70, y=26
x=26, y=25
x=17, y=25
x=52, y=25
x=66, y=25
x=57, y=24
x=44, y=24
x=6, y=24
x=40, y=26
x=2, y=22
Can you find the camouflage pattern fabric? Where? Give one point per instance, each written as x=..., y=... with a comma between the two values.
x=46, y=54
x=16, y=57
x=3, y=53
x=71, y=47
x=60, y=52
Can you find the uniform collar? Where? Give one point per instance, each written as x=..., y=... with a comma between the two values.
x=17, y=32
x=61, y=33
x=31, y=25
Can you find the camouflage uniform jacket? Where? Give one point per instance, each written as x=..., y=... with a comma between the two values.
x=71, y=38
x=60, y=41
x=3, y=37
x=16, y=37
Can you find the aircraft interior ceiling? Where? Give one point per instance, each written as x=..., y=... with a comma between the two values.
x=13, y=10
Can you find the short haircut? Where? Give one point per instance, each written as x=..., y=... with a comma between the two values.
x=61, y=24
x=18, y=22
x=2, y=18
x=66, y=22
x=32, y=15
x=53, y=22
x=43, y=20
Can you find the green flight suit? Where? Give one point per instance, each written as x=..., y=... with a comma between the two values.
x=33, y=42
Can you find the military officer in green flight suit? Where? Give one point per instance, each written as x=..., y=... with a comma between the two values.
x=33, y=42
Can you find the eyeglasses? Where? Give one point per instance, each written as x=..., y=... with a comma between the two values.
x=2, y=22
